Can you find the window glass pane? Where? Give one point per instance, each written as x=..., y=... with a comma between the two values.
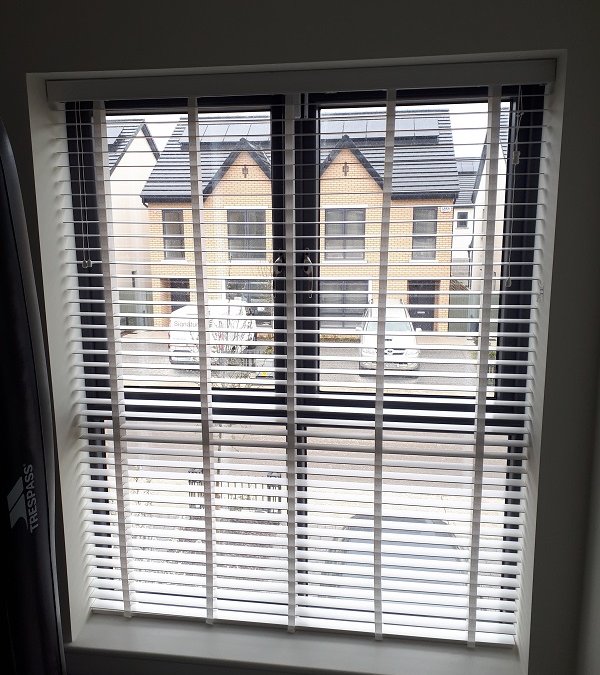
x=343, y=236
x=247, y=232
x=342, y=301
x=173, y=233
x=355, y=228
x=244, y=496
x=333, y=229
x=434, y=278
x=155, y=231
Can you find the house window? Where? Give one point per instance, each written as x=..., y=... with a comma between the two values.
x=247, y=234
x=179, y=292
x=343, y=302
x=462, y=219
x=344, y=234
x=173, y=240
x=424, y=233
x=369, y=478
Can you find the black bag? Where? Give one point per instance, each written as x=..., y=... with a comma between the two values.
x=28, y=480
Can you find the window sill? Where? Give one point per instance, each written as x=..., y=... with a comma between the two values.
x=109, y=643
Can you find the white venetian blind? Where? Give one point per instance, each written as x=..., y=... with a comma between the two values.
x=304, y=386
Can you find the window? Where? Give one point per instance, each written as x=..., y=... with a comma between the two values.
x=344, y=234
x=369, y=478
x=173, y=241
x=179, y=292
x=424, y=231
x=247, y=230
x=343, y=302
x=462, y=219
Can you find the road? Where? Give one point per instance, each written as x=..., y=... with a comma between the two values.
x=448, y=370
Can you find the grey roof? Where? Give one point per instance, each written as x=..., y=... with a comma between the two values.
x=220, y=144
x=467, y=173
x=424, y=161
x=120, y=134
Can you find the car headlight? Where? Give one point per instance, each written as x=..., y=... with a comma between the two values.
x=368, y=351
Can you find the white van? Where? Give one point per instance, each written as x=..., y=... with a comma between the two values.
x=401, y=350
x=229, y=329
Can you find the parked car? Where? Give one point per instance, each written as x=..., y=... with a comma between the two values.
x=425, y=534
x=230, y=331
x=401, y=350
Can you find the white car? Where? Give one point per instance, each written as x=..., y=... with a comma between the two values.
x=401, y=349
x=230, y=331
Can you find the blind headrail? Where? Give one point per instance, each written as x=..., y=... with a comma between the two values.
x=303, y=79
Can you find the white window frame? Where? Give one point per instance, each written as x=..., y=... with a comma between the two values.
x=254, y=256
x=171, y=253
x=94, y=641
x=462, y=223
x=341, y=255
x=432, y=254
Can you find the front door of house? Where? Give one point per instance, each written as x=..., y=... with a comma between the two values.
x=421, y=300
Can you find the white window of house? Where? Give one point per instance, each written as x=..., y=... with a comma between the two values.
x=247, y=234
x=173, y=239
x=462, y=219
x=424, y=233
x=344, y=302
x=368, y=476
x=344, y=234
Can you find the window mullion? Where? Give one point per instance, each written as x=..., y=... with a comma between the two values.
x=484, y=340
x=390, y=123
x=291, y=106
x=203, y=357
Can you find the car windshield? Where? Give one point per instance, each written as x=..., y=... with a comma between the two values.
x=390, y=327
x=424, y=530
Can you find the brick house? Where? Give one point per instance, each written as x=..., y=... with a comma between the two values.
x=236, y=216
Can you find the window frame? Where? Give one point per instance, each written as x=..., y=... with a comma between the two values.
x=90, y=206
x=344, y=252
x=173, y=244
x=247, y=253
x=331, y=321
x=427, y=250
x=462, y=220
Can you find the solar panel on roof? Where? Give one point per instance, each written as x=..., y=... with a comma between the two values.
x=259, y=132
x=405, y=127
x=426, y=126
x=113, y=132
x=332, y=127
x=354, y=128
x=237, y=131
x=216, y=132
x=376, y=127
x=421, y=165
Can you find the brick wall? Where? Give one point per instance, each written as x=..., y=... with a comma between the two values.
x=345, y=183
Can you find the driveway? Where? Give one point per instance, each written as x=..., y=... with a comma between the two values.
x=448, y=364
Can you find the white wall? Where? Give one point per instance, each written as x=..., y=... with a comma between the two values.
x=73, y=36
x=129, y=215
x=590, y=647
